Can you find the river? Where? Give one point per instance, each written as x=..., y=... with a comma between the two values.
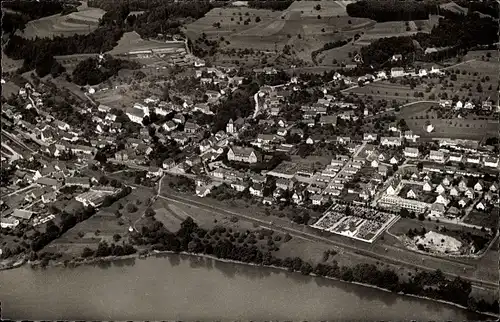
x=193, y=288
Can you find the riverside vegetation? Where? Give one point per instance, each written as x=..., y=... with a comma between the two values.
x=237, y=246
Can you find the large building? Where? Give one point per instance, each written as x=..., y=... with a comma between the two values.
x=242, y=154
x=411, y=205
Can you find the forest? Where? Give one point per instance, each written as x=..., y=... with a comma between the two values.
x=91, y=71
x=391, y=10
x=241, y=246
x=26, y=11
x=456, y=31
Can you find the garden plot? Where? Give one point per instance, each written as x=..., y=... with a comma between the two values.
x=356, y=222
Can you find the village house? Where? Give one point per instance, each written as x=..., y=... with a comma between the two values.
x=179, y=119
x=463, y=202
x=169, y=126
x=442, y=199
x=437, y=210
x=397, y=72
x=455, y=157
x=437, y=156
x=469, y=193
x=427, y=186
x=409, y=136
x=491, y=162
x=369, y=137
x=135, y=115
x=394, y=160
x=318, y=200
x=239, y=186
x=257, y=190
x=410, y=152
x=478, y=186
x=454, y=192
x=411, y=194
x=49, y=197
x=390, y=141
x=474, y=159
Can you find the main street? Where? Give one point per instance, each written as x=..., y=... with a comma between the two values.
x=302, y=234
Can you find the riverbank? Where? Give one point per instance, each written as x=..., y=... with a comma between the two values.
x=110, y=259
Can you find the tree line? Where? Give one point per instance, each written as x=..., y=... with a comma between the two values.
x=192, y=238
x=24, y=11
x=391, y=10
x=456, y=31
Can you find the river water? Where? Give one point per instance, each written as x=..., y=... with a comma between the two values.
x=193, y=288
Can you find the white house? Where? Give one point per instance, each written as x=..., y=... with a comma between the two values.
x=491, y=162
x=257, y=190
x=427, y=186
x=370, y=137
x=459, y=105
x=440, y=189
x=456, y=157
x=397, y=72
x=135, y=115
x=411, y=194
x=429, y=128
x=422, y=72
x=436, y=156
x=437, y=209
x=410, y=152
x=481, y=205
x=390, y=141
x=474, y=159
x=442, y=200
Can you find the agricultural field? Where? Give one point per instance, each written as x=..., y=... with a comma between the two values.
x=82, y=22
x=480, y=54
x=131, y=41
x=418, y=115
x=482, y=219
x=390, y=91
x=452, y=6
x=9, y=64
x=302, y=27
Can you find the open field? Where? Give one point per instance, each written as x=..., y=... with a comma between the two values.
x=482, y=219
x=398, y=28
x=82, y=22
x=9, y=88
x=230, y=22
x=389, y=91
x=452, y=6
x=452, y=128
x=478, y=54
x=301, y=26
x=131, y=41
x=10, y=65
